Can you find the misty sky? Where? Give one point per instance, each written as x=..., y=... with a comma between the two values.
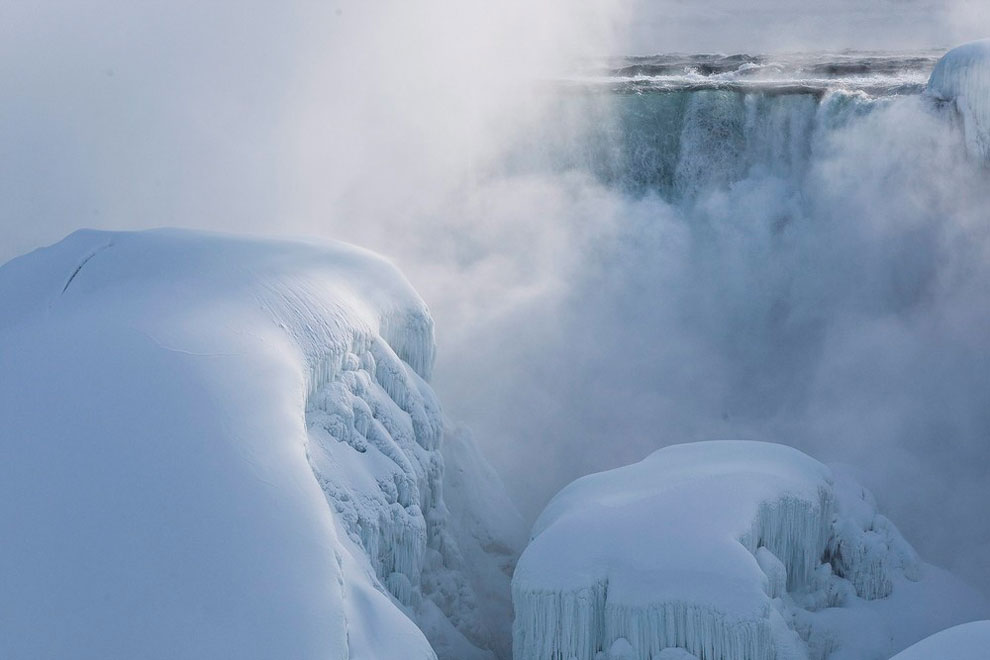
x=143, y=114
x=774, y=25
x=380, y=123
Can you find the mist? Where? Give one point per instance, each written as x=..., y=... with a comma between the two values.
x=580, y=325
x=782, y=25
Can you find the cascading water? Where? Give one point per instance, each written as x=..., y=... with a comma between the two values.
x=681, y=135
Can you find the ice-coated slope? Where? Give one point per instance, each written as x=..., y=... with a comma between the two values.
x=962, y=79
x=724, y=550
x=219, y=447
x=969, y=641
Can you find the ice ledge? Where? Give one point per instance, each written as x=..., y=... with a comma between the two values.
x=725, y=550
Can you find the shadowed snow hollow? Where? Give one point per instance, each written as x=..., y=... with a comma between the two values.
x=727, y=551
x=962, y=78
x=217, y=447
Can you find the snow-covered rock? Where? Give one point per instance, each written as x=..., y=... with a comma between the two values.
x=219, y=447
x=962, y=79
x=725, y=550
x=969, y=641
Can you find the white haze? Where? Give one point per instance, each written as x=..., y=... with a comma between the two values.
x=579, y=329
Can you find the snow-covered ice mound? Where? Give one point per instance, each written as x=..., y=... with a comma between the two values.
x=727, y=551
x=226, y=448
x=969, y=641
x=962, y=78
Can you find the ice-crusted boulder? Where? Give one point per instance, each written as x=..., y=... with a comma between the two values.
x=961, y=79
x=225, y=448
x=969, y=641
x=724, y=551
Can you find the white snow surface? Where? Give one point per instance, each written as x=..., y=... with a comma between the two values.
x=962, y=79
x=216, y=447
x=725, y=550
x=969, y=641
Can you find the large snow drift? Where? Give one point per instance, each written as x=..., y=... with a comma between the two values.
x=725, y=550
x=216, y=447
x=962, y=78
x=970, y=641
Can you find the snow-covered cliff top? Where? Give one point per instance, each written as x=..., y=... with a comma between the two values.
x=962, y=77
x=318, y=291
x=221, y=447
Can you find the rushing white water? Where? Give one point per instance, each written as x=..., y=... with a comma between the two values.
x=687, y=134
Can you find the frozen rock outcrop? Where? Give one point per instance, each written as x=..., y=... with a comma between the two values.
x=969, y=641
x=724, y=550
x=219, y=447
x=961, y=79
